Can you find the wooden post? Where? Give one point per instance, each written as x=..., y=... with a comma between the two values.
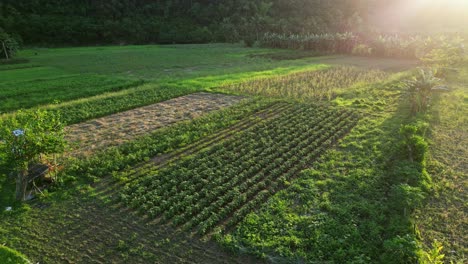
x=5, y=50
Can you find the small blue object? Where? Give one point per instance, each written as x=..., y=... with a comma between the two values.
x=18, y=132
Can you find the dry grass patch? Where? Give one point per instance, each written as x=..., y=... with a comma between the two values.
x=119, y=128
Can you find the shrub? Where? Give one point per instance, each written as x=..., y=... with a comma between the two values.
x=414, y=142
x=8, y=45
x=400, y=248
x=421, y=88
x=27, y=136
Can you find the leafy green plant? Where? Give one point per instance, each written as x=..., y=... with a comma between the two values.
x=421, y=88
x=400, y=249
x=434, y=255
x=414, y=142
x=27, y=136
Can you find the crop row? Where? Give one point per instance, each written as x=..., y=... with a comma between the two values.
x=220, y=185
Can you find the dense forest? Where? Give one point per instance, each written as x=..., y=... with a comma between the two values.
x=88, y=22
x=72, y=22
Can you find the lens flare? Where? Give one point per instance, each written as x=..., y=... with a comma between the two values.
x=423, y=15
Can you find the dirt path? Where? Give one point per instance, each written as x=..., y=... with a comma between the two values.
x=122, y=127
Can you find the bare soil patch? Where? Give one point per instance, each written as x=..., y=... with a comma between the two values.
x=122, y=127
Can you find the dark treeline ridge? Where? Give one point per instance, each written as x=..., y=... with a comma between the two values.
x=88, y=22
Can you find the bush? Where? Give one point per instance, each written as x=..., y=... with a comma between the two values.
x=8, y=45
x=413, y=141
x=400, y=248
x=27, y=136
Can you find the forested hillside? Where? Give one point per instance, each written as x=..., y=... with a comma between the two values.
x=83, y=22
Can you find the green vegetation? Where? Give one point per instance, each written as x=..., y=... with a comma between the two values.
x=157, y=62
x=355, y=203
x=421, y=89
x=108, y=80
x=218, y=187
x=10, y=256
x=169, y=21
x=301, y=179
x=27, y=137
x=441, y=50
x=443, y=218
x=8, y=46
x=36, y=89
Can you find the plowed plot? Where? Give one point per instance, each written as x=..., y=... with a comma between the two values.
x=119, y=128
x=219, y=185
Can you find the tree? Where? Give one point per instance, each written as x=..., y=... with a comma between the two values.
x=27, y=137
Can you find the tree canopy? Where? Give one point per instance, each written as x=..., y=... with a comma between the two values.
x=71, y=22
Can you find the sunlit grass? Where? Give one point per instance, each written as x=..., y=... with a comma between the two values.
x=309, y=85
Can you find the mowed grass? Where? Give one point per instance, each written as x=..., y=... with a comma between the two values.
x=25, y=88
x=156, y=62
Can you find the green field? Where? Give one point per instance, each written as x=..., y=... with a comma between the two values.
x=312, y=166
x=117, y=74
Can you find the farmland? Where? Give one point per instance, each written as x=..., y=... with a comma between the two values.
x=237, y=176
x=222, y=154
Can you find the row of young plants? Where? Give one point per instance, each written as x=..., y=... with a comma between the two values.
x=395, y=46
x=216, y=188
x=309, y=85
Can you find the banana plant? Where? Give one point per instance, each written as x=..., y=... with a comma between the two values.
x=421, y=89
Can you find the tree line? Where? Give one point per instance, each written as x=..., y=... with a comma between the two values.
x=87, y=22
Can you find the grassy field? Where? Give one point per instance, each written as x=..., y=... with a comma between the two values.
x=159, y=62
x=445, y=218
x=108, y=80
x=311, y=167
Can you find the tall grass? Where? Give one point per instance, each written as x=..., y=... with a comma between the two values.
x=310, y=85
x=378, y=45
